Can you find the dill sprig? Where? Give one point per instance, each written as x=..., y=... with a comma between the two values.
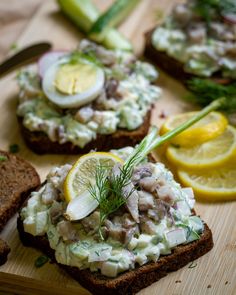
x=205, y=91
x=108, y=190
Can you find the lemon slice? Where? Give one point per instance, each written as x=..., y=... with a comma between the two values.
x=216, y=184
x=204, y=130
x=83, y=172
x=207, y=155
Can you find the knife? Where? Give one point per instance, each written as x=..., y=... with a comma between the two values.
x=26, y=55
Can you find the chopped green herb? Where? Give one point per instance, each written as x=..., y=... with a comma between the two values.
x=192, y=264
x=41, y=260
x=205, y=91
x=113, y=260
x=88, y=56
x=14, y=46
x=3, y=158
x=14, y=148
x=189, y=230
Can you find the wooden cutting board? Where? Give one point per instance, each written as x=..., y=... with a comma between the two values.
x=215, y=273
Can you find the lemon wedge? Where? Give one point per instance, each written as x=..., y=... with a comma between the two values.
x=204, y=130
x=214, y=185
x=83, y=172
x=210, y=154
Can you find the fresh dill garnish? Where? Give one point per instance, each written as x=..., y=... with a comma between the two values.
x=108, y=191
x=206, y=91
x=14, y=148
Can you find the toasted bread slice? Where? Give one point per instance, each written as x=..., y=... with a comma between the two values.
x=18, y=178
x=40, y=143
x=172, y=66
x=129, y=282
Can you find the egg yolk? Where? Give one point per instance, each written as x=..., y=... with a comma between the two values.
x=75, y=79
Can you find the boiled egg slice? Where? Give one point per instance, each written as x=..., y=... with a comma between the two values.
x=70, y=85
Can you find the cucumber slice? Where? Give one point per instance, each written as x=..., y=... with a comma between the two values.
x=111, y=18
x=83, y=14
x=115, y=40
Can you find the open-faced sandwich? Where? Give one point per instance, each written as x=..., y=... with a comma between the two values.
x=17, y=179
x=85, y=99
x=197, y=39
x=116, y=222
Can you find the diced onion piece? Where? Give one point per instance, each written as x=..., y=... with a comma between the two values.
x=176, y=237
x=81, y=206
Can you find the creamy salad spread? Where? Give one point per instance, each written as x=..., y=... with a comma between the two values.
x=134, y=235
x=204, y=48
x=75, y=96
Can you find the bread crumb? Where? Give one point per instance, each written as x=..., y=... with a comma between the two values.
x=226, y=282
x=178, y=281
x=209, y=286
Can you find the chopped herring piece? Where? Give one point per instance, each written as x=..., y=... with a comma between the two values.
x=91, y=222
x=147, y=226
x=49, y=194
x=132, y=201
x=140, y=172
x=57, y=176
x=120, y=229
x=146, y=201
x=67, y=231
x=166, y=194
x=56, y=212
x=149, y=184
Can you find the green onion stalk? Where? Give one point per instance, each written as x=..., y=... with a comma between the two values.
x=151, y=141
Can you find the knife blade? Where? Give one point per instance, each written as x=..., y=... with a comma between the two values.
x=23, y=56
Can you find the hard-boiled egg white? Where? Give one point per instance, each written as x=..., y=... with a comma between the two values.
x=71, y=85
x=48, y=59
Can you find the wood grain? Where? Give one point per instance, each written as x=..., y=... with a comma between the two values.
x=215, y=273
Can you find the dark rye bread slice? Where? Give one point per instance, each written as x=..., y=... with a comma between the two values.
x=172, y=66
x=132, y=281
x=40, y=143
x=17, y=179
x=4, y=250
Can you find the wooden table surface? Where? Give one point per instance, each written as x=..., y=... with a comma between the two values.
x=215, y=273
